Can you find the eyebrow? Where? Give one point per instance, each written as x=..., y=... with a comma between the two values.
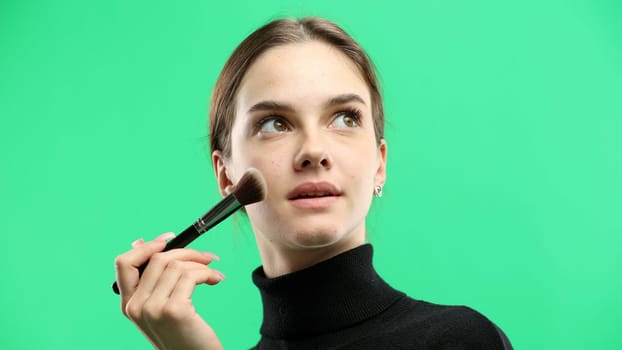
x=270, y=106
x=343, y=99
x=277, y=106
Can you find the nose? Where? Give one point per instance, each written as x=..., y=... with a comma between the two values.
x=312, y=154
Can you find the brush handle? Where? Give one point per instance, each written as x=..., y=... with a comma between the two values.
x=218, y=213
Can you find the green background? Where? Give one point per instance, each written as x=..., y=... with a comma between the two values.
x=504, y=186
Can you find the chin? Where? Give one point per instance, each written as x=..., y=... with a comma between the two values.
x=323, y=237
x=315, y=238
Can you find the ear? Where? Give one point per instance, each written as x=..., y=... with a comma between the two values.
x=225, y=184
x=381, y=172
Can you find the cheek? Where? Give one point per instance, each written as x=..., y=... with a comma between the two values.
x=273, y=163
x=359, y=166
x=268, y=160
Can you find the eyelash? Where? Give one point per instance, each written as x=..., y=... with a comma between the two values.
x=262, y=121
x=351, y=112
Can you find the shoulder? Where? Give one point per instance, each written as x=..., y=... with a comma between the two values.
x=445, y=327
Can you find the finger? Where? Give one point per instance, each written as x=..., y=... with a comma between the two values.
x=153, y=305
x=137, y=242
x=212, y=256
x=127, y=267
x=127, y=264
x=165, y=236
x=137, y=257
x=187, y=282
x=158, y=263
x=171, y=275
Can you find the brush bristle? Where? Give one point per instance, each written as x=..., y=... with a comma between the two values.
x=251, y=188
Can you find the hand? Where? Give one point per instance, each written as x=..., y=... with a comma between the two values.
x=159, y=302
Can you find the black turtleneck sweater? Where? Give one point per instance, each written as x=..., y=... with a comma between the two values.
x=342, y=303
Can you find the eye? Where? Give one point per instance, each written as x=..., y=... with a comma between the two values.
x=272, y=125
x=347, y=119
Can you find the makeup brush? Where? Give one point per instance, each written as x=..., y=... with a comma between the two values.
x=250, y=189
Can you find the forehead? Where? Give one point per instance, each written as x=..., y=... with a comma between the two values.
x=304, y=73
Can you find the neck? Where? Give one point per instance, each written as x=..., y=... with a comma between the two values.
x=334, y=294
x=279, y=259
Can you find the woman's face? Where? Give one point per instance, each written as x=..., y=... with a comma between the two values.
x=303, y=119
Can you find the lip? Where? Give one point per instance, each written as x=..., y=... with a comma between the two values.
x=329, y=195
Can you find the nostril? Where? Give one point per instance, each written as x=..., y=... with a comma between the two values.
x=313, y=162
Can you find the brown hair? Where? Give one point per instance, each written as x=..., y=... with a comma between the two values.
x=276, y=33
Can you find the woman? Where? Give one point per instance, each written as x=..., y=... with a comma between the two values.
x=299, y=101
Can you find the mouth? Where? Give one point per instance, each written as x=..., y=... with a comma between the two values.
x=313, y=190
x=314, y=195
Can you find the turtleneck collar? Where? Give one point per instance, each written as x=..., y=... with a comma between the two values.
x=331, y=295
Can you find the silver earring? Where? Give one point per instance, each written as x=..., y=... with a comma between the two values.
x=378, y=191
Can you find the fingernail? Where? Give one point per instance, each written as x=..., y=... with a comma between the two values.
x=211, y=256
x=137, y=242
x=165, y=236
x=221, y=275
